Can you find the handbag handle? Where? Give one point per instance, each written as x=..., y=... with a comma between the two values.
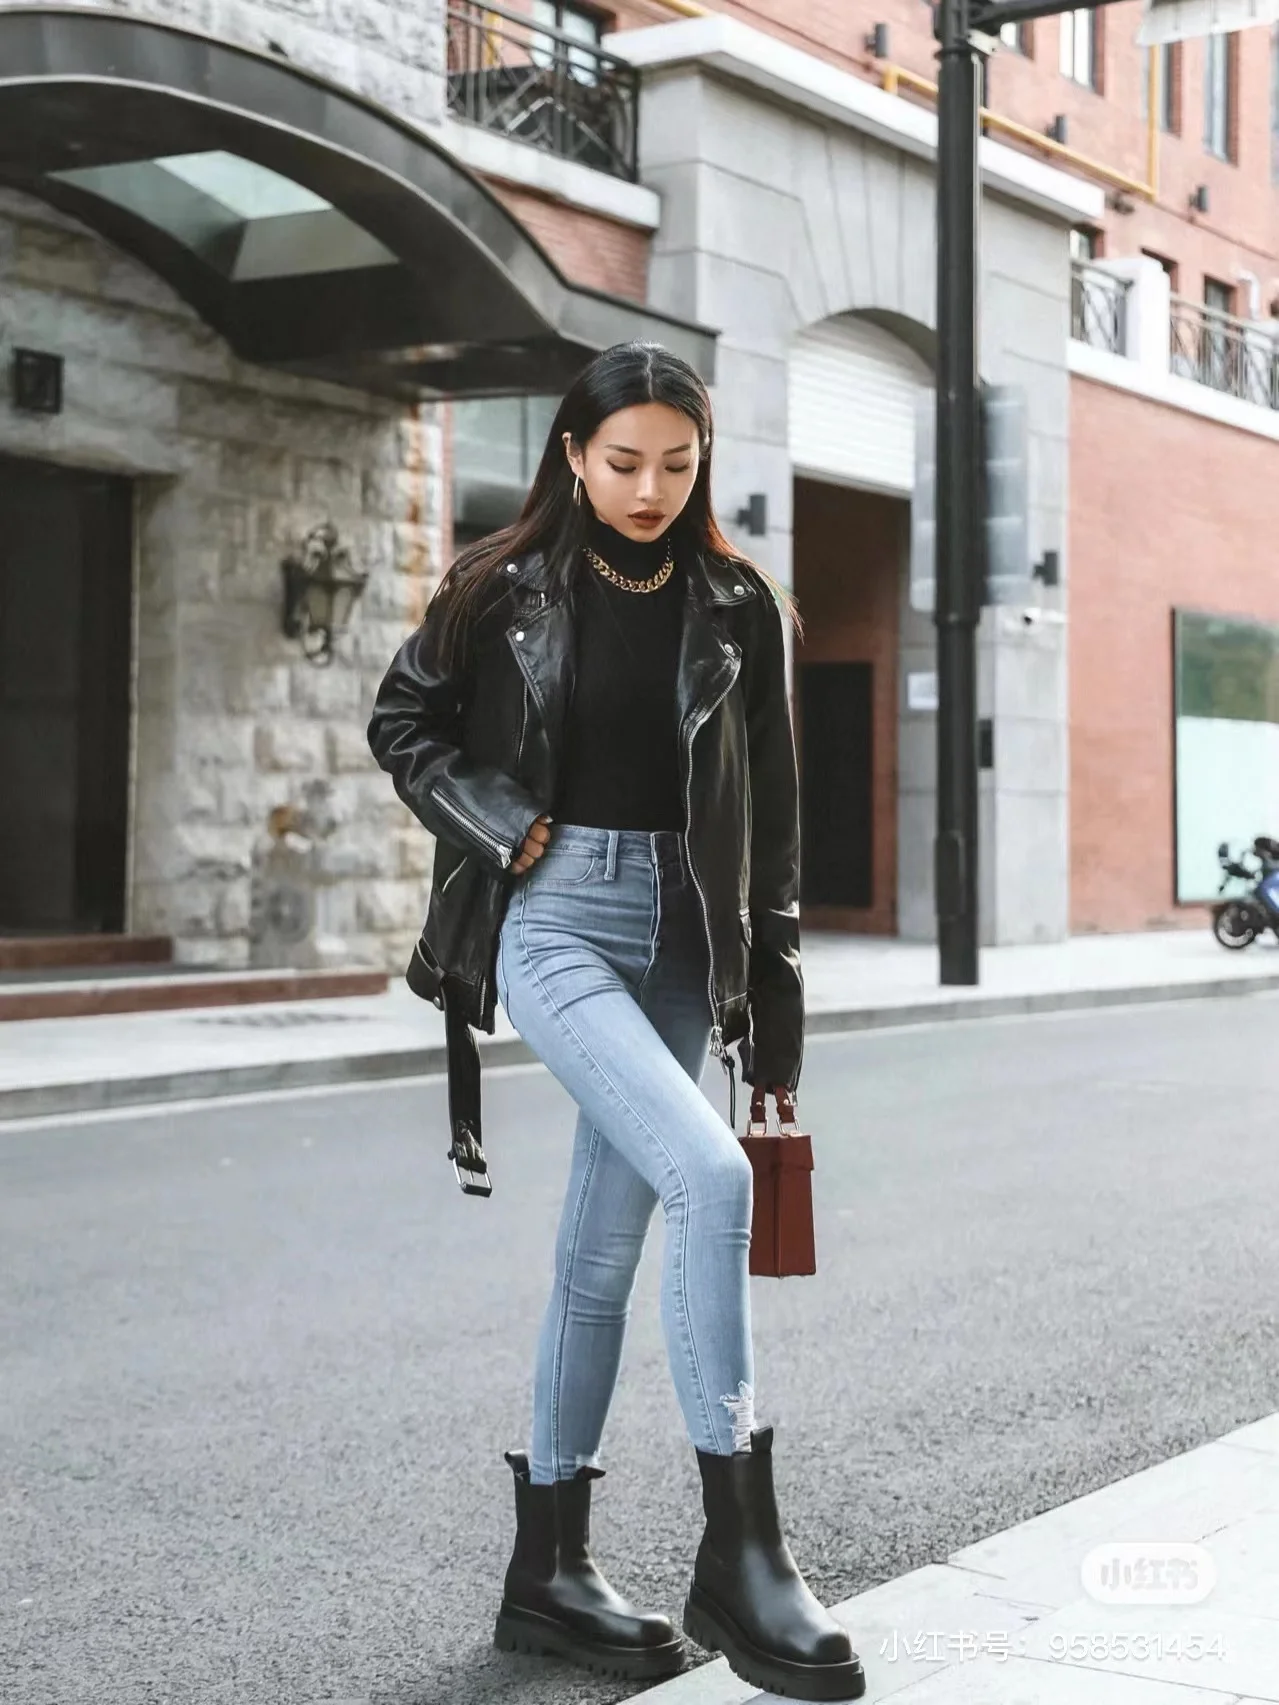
x=787, y=1125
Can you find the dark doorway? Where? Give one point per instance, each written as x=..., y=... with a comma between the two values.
x=850, y=551
x=837, y=826
x=65, y=626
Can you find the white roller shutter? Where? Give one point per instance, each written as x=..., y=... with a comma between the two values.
x=852, y=405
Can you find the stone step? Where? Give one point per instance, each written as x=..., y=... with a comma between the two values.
x=60, y=952
x=11, y=979
x=84, y=998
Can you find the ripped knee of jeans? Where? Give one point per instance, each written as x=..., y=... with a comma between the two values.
x=742, y=1409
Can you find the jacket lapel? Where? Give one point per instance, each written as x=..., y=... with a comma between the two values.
x=709, y=659
x=540, y=636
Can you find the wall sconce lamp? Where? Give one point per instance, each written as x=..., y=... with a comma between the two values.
x=1059, y=130
x=877, y=42
x=1199, y=200
x=755, y=515
x=1048, y=569
x=320, y=591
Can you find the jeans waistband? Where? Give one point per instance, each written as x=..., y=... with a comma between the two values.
x=663, y=847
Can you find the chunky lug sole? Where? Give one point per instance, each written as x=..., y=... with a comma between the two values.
x=525, y=1631
x=714, y=1630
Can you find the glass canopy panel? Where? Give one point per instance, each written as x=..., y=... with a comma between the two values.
x=242, y=219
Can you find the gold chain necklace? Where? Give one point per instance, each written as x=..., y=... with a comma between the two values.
x=653, y=584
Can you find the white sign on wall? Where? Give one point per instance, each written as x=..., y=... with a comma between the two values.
x=921, y=690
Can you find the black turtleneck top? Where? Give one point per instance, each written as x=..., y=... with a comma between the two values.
x=621, y=765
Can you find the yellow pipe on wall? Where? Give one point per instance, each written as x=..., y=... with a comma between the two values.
x=1152, y=122
x=895, y=77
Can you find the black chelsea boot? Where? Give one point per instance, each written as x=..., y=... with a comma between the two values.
x=555, y=1601
x=748, y=1598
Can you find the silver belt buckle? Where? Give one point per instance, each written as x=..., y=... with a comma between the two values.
x=485, y=1188
x=469, y=1158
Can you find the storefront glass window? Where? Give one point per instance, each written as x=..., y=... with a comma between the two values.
x=497, y=444
x=1227, y=742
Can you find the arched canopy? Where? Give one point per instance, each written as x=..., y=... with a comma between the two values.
x=313, y=229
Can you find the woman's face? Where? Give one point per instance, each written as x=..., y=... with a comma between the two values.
x=639, y=468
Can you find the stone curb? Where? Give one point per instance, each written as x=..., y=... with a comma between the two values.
x=96, y=1095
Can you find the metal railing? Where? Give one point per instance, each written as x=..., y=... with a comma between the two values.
x=1099, y=308
x=523, y=79
x=1239, y=357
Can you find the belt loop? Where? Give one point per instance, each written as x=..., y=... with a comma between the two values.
x=610, y=867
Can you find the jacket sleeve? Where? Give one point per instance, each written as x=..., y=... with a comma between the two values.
x=416, y=734
x=775, y=1050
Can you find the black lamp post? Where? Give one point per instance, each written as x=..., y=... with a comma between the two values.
x=321, y=589
x=959, y=543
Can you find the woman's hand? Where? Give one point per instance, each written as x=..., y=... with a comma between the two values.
x=534, y=845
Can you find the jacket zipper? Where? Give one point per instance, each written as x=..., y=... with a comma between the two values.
x=519, y=750
x=500, y=850
x=452, y=873
x=524, y=698
x=717, y=1031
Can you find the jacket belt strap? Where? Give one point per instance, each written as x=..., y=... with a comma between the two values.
x=466, y=1151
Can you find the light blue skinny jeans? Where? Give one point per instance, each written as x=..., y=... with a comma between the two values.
x=602, y=969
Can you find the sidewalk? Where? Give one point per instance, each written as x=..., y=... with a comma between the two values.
x=65, y=1065
x=1008, y=1621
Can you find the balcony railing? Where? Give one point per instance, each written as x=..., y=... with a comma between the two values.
x=1236, y=356
x=523, y=79
x=1098, y=308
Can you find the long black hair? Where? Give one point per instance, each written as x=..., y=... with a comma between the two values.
x=550, y=522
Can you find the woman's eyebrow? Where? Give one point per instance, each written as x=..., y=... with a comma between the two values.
x=627, y=451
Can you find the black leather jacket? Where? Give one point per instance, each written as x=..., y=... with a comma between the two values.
x=474, y=753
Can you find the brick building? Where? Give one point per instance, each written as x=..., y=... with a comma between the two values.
x=267, y=242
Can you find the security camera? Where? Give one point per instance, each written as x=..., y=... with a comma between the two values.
x=1034, y=615
x=1030, y=616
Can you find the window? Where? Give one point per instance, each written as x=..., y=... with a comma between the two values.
x=1217, y=349
x=1219, y=298
x=1167, y=62
x=1079, y=48
x=586, y=27
x=1085, y=243
x=497, y=443
x=1274, y=103
x=1169, y=266
x=1227, y=736
x=1218, y=96
x=1017, y=37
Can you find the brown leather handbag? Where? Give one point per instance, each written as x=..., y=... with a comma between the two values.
x=782, y=1242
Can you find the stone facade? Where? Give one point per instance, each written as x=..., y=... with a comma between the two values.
x=388, y=50
x=231, y=465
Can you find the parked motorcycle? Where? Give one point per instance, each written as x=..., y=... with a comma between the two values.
x=1239, y=921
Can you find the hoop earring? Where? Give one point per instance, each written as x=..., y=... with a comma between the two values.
x=577, y=490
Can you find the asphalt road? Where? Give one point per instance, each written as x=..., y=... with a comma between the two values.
x=259, y=1361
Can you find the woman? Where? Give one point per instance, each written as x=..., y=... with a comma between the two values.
x=592, y=719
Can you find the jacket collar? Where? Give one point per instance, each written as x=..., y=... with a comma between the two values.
x=714, y=580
